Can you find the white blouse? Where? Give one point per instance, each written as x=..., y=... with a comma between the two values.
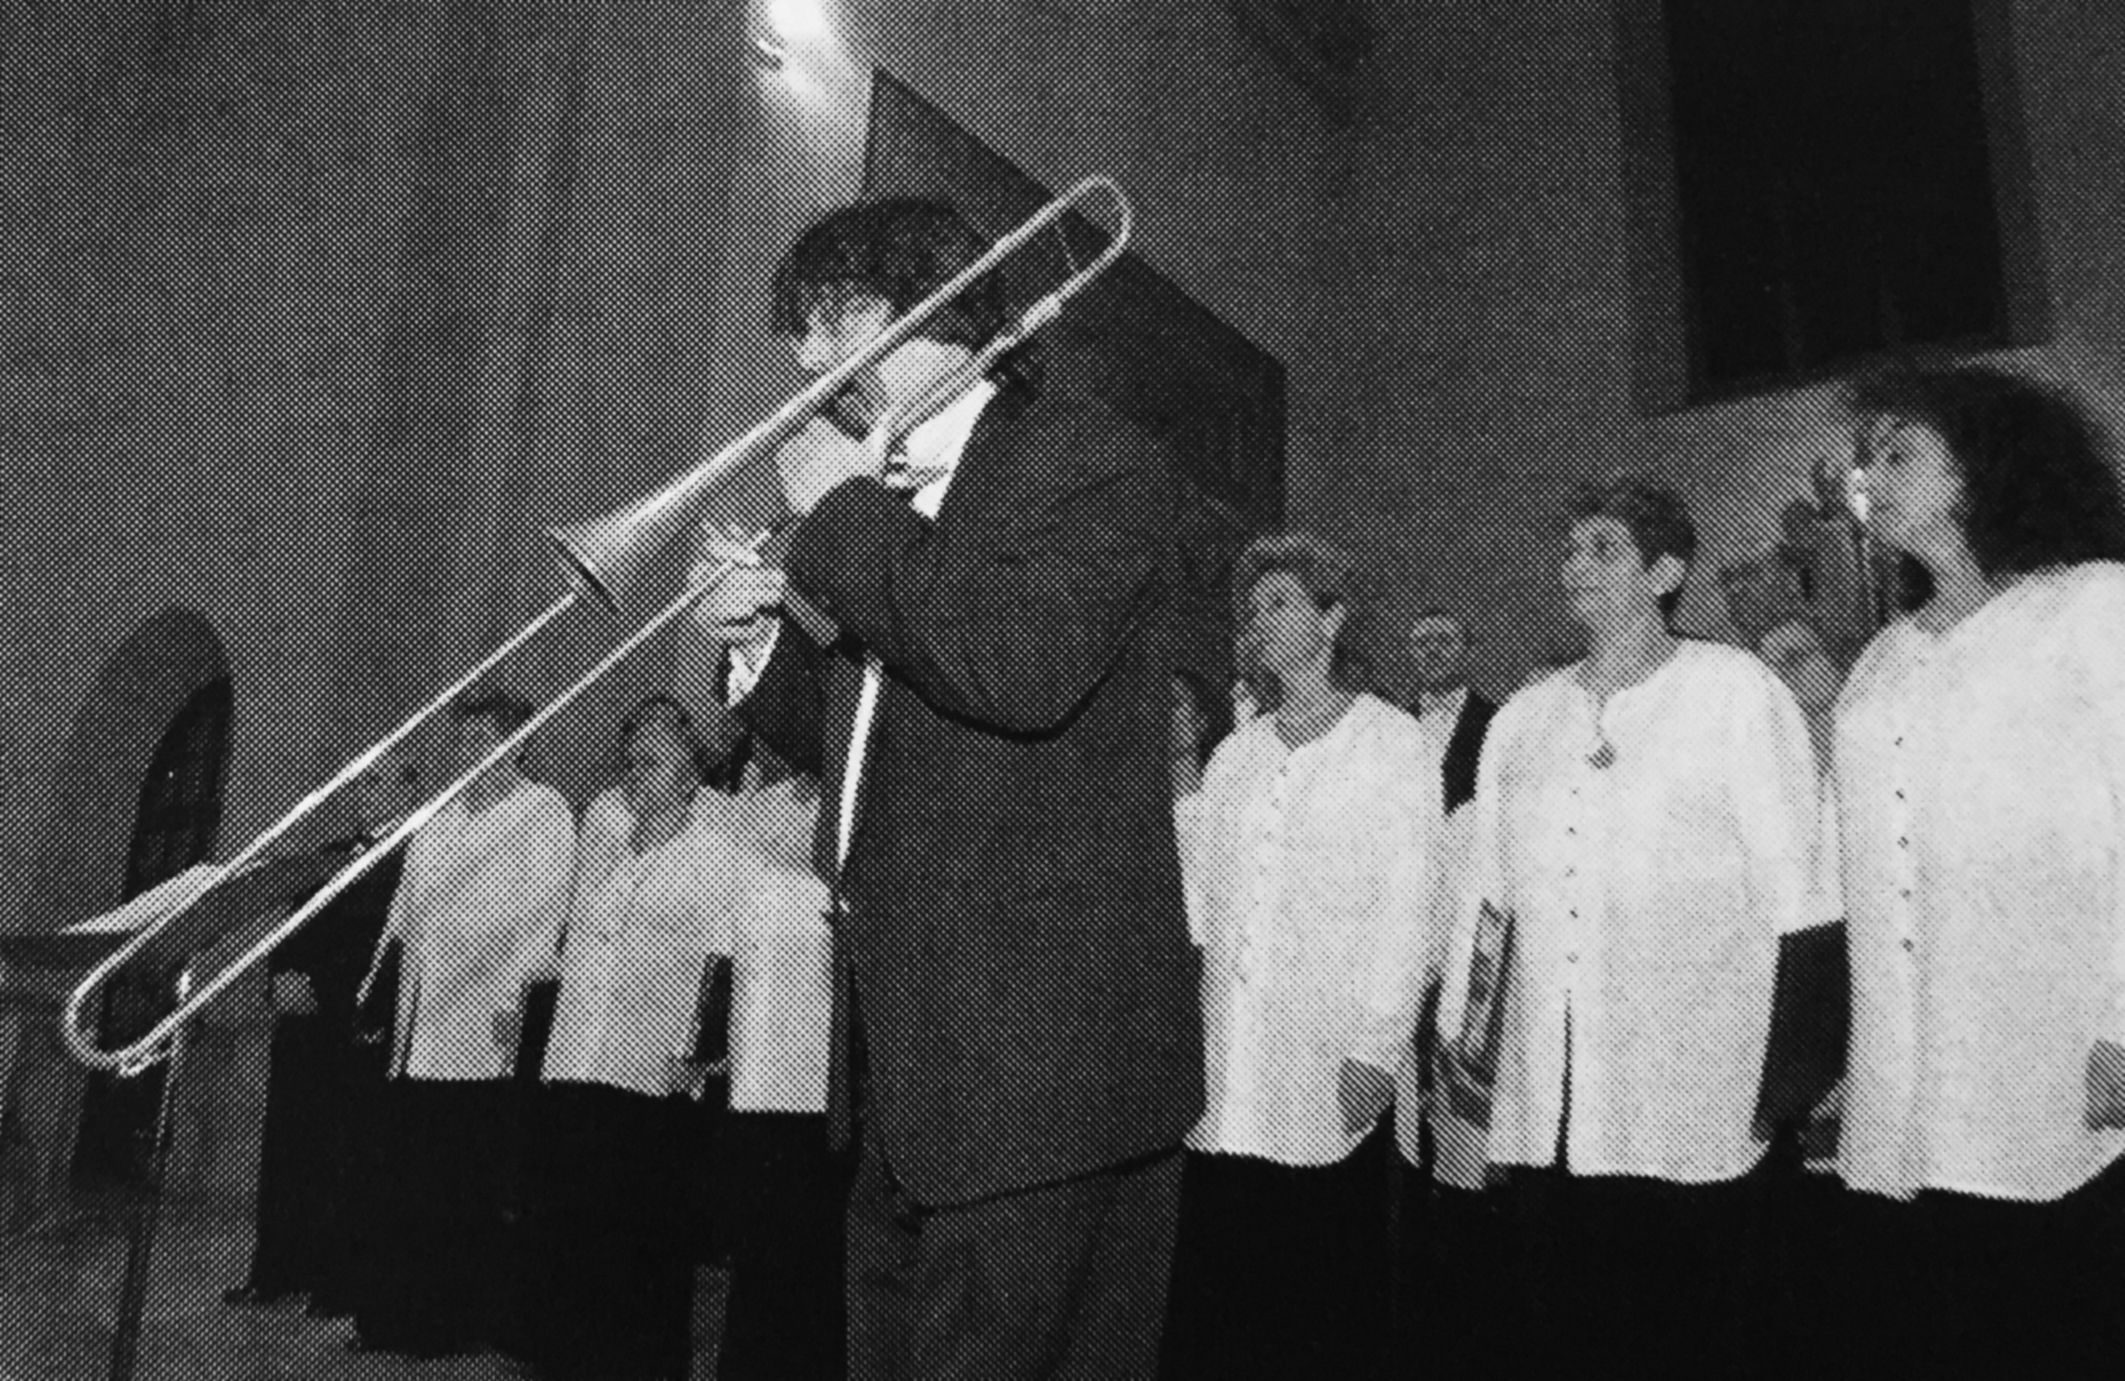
x=477, y=908
x=782, y=986
x=1314, y=867
x=1648, y=898
x=641, y=931
x=1981, y=793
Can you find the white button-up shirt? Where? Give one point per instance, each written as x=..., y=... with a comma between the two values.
x=478, y=908
x=640, y=934
x=782, y=984
x=1315, y=868
x=1981, y=794
x=1648, y=898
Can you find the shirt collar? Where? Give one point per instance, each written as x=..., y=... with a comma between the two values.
x=939, y=442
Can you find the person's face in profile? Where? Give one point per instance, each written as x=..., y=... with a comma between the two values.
x=1439, y=650
x=1608, y=583
x=658, y=775
x=837, y=329
x=1914, y=486
x=1286, y=631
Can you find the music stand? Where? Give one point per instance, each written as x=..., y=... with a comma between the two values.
x=244, y=907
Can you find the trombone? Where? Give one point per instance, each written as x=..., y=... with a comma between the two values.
x=603, y=559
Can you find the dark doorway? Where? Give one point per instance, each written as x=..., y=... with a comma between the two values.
x=174, y=827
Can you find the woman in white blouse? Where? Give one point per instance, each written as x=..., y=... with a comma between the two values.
x=1314, y=862
x=1980, y=779
x=1646, y=817
x=479, y=903
x=610, y=1274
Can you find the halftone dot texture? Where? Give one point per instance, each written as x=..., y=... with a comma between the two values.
x=315, y=317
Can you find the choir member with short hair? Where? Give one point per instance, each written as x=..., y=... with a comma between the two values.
x=477, y=910
x=1646, y=819
x=1318, y=829
x=610, y=1274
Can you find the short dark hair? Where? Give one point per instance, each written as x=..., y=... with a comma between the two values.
x=898, y=250
x=2038, y=487
x=507, y=710
x=1327, y=574
x=1655, y=516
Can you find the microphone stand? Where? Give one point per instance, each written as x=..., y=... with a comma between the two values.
x=144, y=1209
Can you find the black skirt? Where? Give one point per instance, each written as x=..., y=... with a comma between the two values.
x=432, y=1278
x=606, y=1269
x=1280, y=1271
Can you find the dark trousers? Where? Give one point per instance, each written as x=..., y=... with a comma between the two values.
x=605, y=1265
x=433, y=1280
x=306, y=1164
x=1064, y=1282
x=1622, y=1276
x=1282, y=1271
x=783, y=1212
x=1453, y=1279
x=1951, y=1284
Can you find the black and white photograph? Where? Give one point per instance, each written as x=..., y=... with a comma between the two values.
x=1062, y=690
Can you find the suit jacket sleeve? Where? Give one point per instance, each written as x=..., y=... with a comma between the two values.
x=1007, y=618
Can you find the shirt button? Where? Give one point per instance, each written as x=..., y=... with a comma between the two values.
x=1907, y=946
x=1572, y=957
x=1903, y=841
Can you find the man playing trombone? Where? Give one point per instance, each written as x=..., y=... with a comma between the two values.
x=1017, y=1036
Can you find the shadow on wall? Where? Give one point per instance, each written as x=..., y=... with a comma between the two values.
x=95, y=795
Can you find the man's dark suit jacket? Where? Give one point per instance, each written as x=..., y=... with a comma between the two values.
x=1014, y=935
x=1465, y=749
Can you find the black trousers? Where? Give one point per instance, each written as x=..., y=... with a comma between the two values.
x=434, y=1275
x=1282, y=1271
x=306, y=1223
x=606, y=1265
x=783, y=1211
x=1452, y=1279
x=1063, y=1282
x=1618, y=1275
x=1951, y=1284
